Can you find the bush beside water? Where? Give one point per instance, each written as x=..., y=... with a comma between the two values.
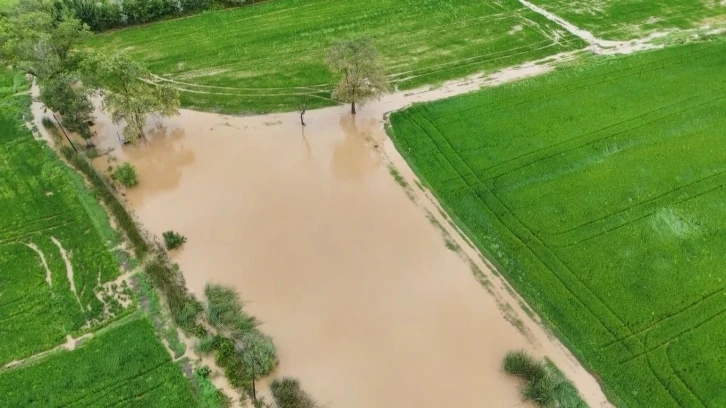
x=544, y=384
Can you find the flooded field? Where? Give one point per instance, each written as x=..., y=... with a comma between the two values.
x=367, y=305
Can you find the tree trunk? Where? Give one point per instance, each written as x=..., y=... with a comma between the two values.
x=352, y=107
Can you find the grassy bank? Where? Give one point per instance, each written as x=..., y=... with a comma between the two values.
x=599, y=193
x=270, y=56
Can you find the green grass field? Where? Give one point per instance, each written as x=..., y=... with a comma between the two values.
x=599, y=192
x=46, y=213
x=48, y=218
x=270, y=56
x=6, y=5
x=123, y=367
x=628, y=19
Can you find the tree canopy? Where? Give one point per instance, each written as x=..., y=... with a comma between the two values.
x=42, y=38
x=363, y=76
x=128, y=96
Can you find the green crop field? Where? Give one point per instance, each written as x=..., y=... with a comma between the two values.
x=628, y=19
x=599, y=191
x=6, y=5
x=56, y=247
x=123, y=367
x=46, y=214
x=270, y=56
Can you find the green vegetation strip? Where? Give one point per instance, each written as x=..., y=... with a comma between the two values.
x=123, y=367
x=44, y=219
x=599, y=193
x=624, y=20
x=270, y=56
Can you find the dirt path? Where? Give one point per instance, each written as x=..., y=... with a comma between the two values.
x=349, y=272
x=608, y=47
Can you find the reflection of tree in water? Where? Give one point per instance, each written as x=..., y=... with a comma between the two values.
x=353, y=157
x=159, y=159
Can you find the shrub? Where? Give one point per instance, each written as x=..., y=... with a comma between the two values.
x=288, y=394
x=203, y=371
x=521, y=364
x=173, y=240
x=259, y=353
x=205, y=345
x=126, y=175
x=541, y=391
x=186, y=318
x=209, y=395
x=224, y=310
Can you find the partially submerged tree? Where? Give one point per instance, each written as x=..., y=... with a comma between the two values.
x=128, y=95
x=363, y=77
x=66, y=95
x=288, y=393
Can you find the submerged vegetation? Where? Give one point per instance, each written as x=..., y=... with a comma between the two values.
x=245, y=353
x=126, y=175
x=602, y=208
x=287, y=393
x=173, y=239
x=544, y=384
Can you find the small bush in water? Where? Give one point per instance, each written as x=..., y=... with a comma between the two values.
x=126, y=175
x=545, y=385
x=520, y=364
x=173, y=240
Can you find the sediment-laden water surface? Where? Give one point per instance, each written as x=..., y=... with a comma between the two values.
x=367, y=305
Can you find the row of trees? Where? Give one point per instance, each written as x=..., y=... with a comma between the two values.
x=43, y=38
x=107, y=14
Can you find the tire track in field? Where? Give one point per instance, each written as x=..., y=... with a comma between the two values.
x=261, y=95
x=524, y=242
x=587, y=83
x=318, y=51
x=680, y=379
x=552, y=150
x=552, y=147
x=113, y=385
x=657, y=324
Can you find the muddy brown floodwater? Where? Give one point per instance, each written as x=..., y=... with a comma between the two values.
x=366, y=304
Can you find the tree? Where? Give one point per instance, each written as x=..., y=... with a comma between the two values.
x=287, y=393
x=127, y=92
x=363, y=76
x=40, y=38
x=66, y=95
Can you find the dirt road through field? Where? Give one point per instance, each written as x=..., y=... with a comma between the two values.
x=367, y=305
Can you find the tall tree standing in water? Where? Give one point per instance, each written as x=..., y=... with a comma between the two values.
x=363, y=77
x=127, y=95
